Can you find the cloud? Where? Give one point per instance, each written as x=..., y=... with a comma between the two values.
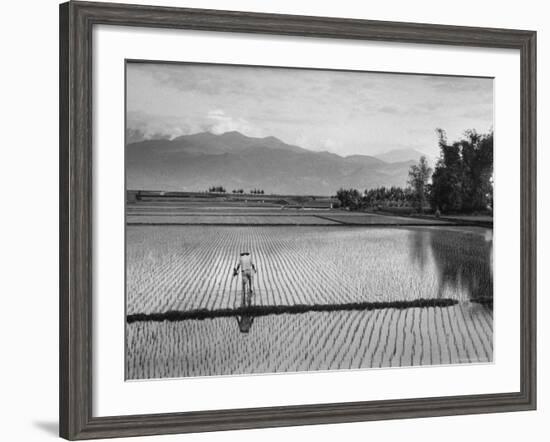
x=389, y=110
x=219, y=122
x=142, y=126
x=480, y=113
x=430, y=106
x=136, y=135
x=460, y=85
x=329, y=145
x=194, y=78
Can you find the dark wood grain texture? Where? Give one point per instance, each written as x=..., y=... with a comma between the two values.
x=76, y=377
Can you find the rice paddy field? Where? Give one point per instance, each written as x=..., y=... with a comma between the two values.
x=188, y=268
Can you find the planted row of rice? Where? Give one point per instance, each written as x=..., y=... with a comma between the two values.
x=191, y=267
x=311, y=341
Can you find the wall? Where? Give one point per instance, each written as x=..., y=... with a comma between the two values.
x=28, y=247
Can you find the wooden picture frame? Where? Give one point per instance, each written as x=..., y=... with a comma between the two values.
x=76, y=22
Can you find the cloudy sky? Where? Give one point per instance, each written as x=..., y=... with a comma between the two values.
x=341, y=112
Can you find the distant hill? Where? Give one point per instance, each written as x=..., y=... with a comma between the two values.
x=196, y=162
x=400, y=155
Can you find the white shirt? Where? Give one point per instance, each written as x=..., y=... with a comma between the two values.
x=245, y=262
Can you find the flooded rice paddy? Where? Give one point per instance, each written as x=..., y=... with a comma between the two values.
x=186, y=268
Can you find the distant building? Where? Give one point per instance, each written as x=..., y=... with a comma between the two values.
x=132, y=196
x=316, y=204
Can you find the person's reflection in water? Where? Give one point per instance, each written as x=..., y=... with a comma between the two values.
x=245, y=321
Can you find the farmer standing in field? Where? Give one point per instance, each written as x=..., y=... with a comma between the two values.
x=246, y=266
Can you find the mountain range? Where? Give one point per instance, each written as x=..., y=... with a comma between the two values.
x=400, y=155
x=235, y=161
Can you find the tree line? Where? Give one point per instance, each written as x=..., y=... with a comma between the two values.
x=461, y=182
x=221, y=189
x=463, y=177
x=217, y=189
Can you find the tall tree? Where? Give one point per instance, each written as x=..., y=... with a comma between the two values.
x=419, y=174
x=349, y=198
x=477, y=156
x=446, y=180
x=462, y=180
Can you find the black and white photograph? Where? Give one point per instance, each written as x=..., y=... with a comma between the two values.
x=289, y=220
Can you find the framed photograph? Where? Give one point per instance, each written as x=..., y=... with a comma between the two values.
x=272, y=220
